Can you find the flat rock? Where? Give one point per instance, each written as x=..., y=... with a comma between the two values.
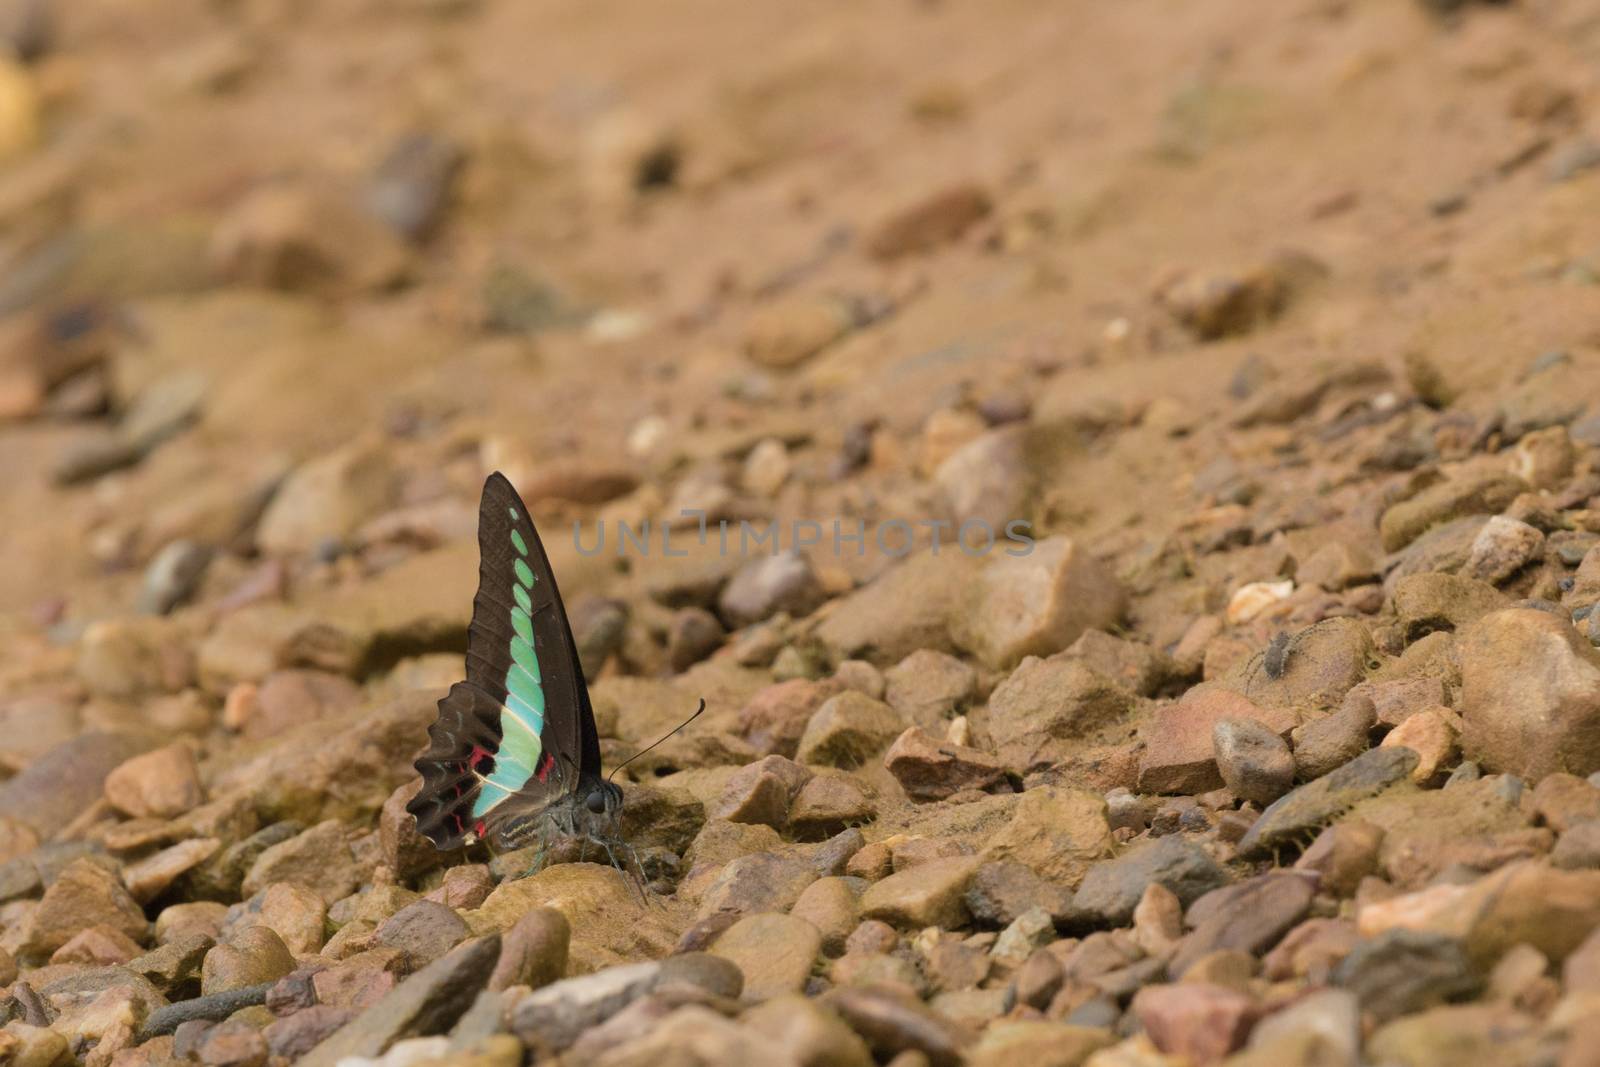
x=1318, y=803
x=1113, y=888
x=1248, y=917
x=930, y=769
x=1180, y=748
x=428, y=1002
x=1255, y=762
x=908, y=607
x=1400, y=972
x=554, y=1017
x=160, y=784
x=1483, y=494
x=55, y=788
x=1199, y=1022
x=84, y=894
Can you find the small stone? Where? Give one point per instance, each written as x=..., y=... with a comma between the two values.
x=811, y=1034
x=428, y=1002
x=761, y=792
x=829, y=904
x=1401, y=972
x=1530, y=695
x=172, y=577
x=319, y=859
x=1320, y=802
x=1502, y=548
x=986, y=484
x=1037, y=603
x=1200, y=1023
x=766, y=468
x=1431, y=734
x=328, y=498
x=159, y=784
x=891, y=1023
x=300, y=239
x=99, y=946
x=1248, y=917
x=1343, y=854
x=930, y=769
x=1031, y=930
x=1112, y=889
x=1002, y=891
x=774, y=952
x=929, y=687
x=148, y=878
x=1578, y=848
x=1046, y=705
x=829, y=804
x=1544, y=458
x=1158, y=920
x=1337, y=566
x=1037, y=1043
x=1254, y=761
x=1251, y=599
x=1332, y=1015
x=1485, y=494
x=405, y=850
x=929, y=894
x=847, y=731
x=410, y=188
x=1564, y=801
x=786, y=333
x=233, y=1044
x=1432, y=601
x=1180, y=746
x=770, y=584
x=534, y=951
x=694, y=634
x=554, y=1017
x=253, y=956
x=83, y=894
x=936, y=220
x=1326, y=744
x=423, y=930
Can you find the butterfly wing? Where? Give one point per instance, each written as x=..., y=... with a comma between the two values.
x=519, y=732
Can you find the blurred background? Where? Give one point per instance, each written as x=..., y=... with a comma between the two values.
x=281, y=281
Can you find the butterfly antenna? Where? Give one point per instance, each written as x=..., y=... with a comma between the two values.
x=658, y=740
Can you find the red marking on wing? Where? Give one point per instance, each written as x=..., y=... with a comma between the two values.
x=545, y=764
x=478, y=827
x=479, y=754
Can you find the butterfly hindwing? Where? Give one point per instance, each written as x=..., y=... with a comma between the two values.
x=519, y=732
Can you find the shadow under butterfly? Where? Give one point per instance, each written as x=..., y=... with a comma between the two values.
x=514, y=756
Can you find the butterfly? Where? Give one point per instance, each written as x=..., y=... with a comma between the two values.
x=514, y=754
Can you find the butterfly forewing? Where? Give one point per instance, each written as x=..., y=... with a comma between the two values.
x=519, y=732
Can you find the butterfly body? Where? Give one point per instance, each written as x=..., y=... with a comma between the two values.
x=514, y=755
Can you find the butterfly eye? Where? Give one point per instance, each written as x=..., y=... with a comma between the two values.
x=596, y=802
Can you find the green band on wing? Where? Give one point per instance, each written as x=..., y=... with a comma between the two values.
x=524, y=601
x=513, y=764
x=524, y=575
x=521, y=545
x=523, y=625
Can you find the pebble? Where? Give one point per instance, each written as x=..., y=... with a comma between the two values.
x=929, y=687
x=411, y=186
x=318, y=858
x=172, y=577
x=1045, y=707
x=694, y=634
x=1402, y=972
x=812, y=1034
x=252, y=956
x=1250, y=600
x=83, y=894
x=1199, y=1022
x=534, y=951
x=929, y=894
x=774, y=952
x=1037, y=603
x=1001, y=892
x=1112, y=890
x=930, y=769
x=1484, y=494
x=429, y=1001
x=328, y=499
x=1180, y=754
x=160, y=784
x=761, y=792
x=1530, y=696
x=892, y=1023
x=1249, y=917
x=767, y=585
x=1255, y=763
x=937, y=219
x=784, y=334
x=1432, y=735
x=554, y=1017
x=847, y=731
x=424, y=930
